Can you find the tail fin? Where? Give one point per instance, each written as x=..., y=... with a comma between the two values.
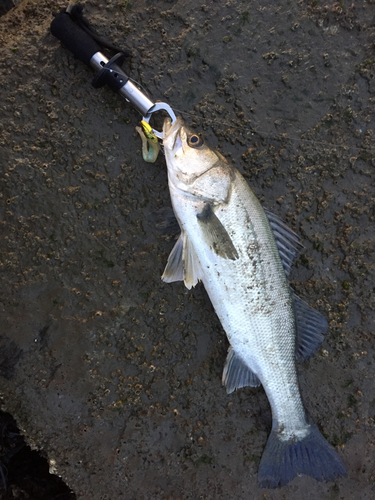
x=313, y=456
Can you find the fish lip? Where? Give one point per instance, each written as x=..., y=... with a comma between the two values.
x=171, y=132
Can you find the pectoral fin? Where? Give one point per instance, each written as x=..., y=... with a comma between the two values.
x=237, y=374
x=165, y=221
x=215, y=235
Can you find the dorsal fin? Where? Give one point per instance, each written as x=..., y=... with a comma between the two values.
x=287, y=241
x=311, y=327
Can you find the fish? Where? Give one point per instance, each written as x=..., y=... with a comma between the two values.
x=243, y=255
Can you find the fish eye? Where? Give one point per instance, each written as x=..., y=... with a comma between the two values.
x=194, y=141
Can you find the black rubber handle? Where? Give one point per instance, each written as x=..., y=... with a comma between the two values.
x=74, y=38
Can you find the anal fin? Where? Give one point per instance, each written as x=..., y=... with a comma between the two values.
x=237, y=374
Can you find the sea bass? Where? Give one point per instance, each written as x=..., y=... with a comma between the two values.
x=243, y=255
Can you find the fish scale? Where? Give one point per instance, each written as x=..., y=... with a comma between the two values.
x=243, y=256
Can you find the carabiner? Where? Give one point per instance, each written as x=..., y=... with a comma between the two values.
x=158, y=107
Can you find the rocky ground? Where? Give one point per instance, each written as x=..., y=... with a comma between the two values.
x=115, y=376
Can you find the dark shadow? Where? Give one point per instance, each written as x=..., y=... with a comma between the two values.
x=24, y=473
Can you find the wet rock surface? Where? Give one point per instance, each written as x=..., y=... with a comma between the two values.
x=115, y=375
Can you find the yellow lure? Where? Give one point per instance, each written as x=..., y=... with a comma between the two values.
x=150, y=144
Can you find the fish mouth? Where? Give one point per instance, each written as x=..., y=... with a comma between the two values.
x=171, y=133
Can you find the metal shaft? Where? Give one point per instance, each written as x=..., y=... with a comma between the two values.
x=129, y=91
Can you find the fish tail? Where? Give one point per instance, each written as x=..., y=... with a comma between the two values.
x=312, y=455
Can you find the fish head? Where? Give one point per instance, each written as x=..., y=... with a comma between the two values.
x=186, y=154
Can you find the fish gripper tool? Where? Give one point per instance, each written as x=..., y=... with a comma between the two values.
x=76, y=33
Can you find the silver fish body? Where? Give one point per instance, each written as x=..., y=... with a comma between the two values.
x=228, y=242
